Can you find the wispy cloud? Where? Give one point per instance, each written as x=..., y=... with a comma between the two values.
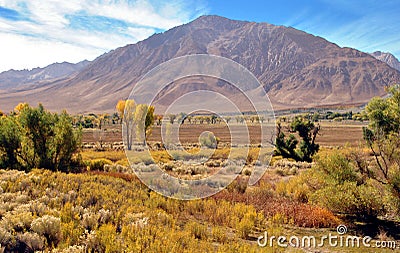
x=37, y=33
x=368, y=25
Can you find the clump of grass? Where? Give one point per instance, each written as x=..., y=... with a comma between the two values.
x=113, y=155
x=97, y=164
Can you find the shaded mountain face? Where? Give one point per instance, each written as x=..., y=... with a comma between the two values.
x=388, y=58
x=16, y=78
x=296, y=69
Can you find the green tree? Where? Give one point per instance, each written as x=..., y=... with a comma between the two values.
x=65, y=142
x=172, y=118
x=288, y=147
x=36, y=138
x=10, y=142
x=383, y=138
x=149, y=122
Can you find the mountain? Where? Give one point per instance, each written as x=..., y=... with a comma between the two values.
x=388, y=58
x=297, y=69
x=16, y=78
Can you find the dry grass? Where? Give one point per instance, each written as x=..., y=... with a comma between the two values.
x=112, y=155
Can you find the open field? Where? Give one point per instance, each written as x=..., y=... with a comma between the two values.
x=331, y=134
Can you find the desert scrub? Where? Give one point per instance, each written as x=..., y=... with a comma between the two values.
x=219, y=234
x=49, y=227
x=197, y=230
x=122, y=213
x=208, y=139
x=113, y=156
x=97, y=164
x=33, y=240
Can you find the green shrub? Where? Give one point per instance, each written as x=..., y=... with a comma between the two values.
x=337, y=167
x=348, y=198
x=98, y=164
x=343, y=189
x=208, y=139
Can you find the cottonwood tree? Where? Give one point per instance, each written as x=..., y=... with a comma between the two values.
x=126, y=110
x=10, y=143
x=134, y=117
x=144, y=119
x=35, y=138
x=383, y=138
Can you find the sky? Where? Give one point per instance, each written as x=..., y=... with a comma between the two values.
x=36, y=33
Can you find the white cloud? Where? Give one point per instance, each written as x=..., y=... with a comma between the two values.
x=19, y=52
x=141, y=13
x=45, y=33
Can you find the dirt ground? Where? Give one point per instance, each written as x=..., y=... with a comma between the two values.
x=331, y=134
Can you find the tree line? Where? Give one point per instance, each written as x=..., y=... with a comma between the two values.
x=36, y=138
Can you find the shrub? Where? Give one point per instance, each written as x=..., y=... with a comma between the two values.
x=337, y=167
x=244, y=227
x=197, y=230
x=90, y=221
x=5, y=237
x=48, y=226
x=17, y=222
x=296, y=188
x=348, y=198
x=238, y=186
x=208, y=139
x=342, y=188
x=247, y=172
x=33, y=240
x=98, y=164
x=108, y=239
x=219, y=234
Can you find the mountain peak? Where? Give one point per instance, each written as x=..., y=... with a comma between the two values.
x=297, y=69
x=12, y=79
x=387, y=58
x=215, y=22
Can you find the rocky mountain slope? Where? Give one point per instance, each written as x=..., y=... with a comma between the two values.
x=16, y=78
x=297, y=69
x=388, y=58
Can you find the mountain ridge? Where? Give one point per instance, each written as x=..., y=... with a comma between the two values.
x=297, y=69
x=388, y=58
x=12, y=79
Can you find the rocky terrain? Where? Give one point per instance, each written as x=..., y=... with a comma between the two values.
x=297, y=69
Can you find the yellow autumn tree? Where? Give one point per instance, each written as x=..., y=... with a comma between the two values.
x=126, y=110
x=18, y=109
x=144, y=119
x=120, y=108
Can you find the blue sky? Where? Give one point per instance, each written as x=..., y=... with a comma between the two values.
x=40, y=32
